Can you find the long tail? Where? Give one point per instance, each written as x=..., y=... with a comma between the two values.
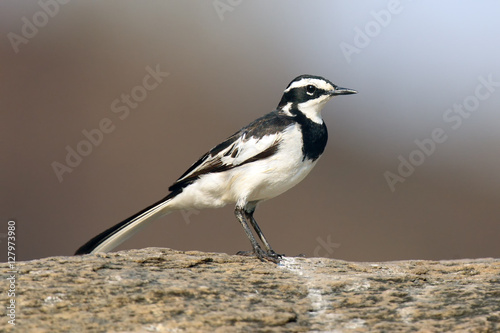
x=117, y=234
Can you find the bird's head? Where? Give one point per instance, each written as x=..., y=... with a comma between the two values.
x=309, y=94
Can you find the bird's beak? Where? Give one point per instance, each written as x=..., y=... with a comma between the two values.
x=342, y=91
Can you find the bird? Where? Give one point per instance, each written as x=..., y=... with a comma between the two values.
x=259, y=162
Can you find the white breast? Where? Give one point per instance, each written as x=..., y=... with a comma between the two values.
x=282, y=171
x=255, y=181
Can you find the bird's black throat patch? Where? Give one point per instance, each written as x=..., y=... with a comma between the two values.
x=314, y=135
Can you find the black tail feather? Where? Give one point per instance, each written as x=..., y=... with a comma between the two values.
x=92, y=244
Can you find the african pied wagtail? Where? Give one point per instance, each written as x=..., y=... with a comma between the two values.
x=260, y=161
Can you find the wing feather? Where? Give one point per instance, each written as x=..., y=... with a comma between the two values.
x=248, y=145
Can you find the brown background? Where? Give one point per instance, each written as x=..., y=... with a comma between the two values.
x=223, y=74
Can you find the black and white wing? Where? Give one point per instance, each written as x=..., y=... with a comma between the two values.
x=257, y=141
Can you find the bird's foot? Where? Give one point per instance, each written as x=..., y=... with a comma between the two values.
x=272, y=253
x=262, y=255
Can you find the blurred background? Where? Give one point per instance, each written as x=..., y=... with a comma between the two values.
x=140, y=90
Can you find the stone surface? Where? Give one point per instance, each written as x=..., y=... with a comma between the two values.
x=162, y=290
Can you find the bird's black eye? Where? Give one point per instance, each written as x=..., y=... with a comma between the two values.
x=310, y=89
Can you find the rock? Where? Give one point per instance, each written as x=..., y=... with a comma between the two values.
x=162, y=290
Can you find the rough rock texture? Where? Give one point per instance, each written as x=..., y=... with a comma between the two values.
x=161, y=290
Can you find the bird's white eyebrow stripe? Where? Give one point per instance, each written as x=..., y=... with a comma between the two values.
x=306, y=81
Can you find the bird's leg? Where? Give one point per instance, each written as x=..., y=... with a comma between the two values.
x=257, y=250
x=270, y=251
x=240, y=215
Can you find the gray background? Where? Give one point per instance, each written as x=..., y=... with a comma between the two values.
x=226, y=69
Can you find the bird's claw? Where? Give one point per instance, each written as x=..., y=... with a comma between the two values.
x=262, y=255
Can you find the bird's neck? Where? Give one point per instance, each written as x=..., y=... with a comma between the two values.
x=309, y=110
x=314, y=133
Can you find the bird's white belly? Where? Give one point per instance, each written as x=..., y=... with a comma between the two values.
x=255, y=181
x=277, y=175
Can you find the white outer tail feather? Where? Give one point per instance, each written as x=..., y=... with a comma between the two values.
x=133, y=227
